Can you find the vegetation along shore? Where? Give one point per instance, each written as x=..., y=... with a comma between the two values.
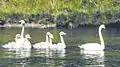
x=65, y=13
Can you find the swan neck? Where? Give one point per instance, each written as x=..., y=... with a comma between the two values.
x=22, y=32
x=50, y=41
x=62, y=40
x=101, y=38
x=46, y=38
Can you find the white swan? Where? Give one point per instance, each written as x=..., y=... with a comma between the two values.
x=58, y=48
x=23, y=42
x=11, y=45
x=60, y=45
x=95, y=46
x=27, y=43
x=44, y=45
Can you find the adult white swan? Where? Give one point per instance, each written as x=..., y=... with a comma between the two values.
x=23, y=42
x=60, y=45
x=44, y=45
x=95, y=46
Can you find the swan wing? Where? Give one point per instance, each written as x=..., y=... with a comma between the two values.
x=37, y=45
x=53, y=46
x=9, y=45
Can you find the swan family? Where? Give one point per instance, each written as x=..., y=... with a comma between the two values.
x=21, y=41
x=48, y=43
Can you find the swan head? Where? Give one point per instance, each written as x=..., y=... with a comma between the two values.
x=50, y=35
x=62, y=33
x=27, y=36
x=22, y=22
x=17, y=36
x=102, y=26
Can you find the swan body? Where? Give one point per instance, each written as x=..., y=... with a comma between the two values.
x=9, y=45
x=91, y=54
x=16, y=44
x=89, y=46
x=44, y=45
x=12, y=45
x=95, y=46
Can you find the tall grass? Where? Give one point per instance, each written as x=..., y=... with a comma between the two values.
x=57, y=7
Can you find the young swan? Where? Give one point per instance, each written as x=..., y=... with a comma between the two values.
x=60, y=45
x=44, y=45
x=27, y=43
x=12, y=45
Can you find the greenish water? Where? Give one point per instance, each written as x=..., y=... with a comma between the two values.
x=72, y=56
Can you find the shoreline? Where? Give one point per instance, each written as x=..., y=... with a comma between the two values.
x=32, y=25
x=29, y=25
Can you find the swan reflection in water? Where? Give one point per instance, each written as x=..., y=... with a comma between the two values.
x=48, y=58
x=23, y=53
x=50, y=53
x=93, y=58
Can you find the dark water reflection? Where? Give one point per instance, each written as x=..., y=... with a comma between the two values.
x=72, y=57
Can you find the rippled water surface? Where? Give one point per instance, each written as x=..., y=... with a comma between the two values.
x=70, y=57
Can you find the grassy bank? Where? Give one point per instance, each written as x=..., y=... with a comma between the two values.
x=61, y=12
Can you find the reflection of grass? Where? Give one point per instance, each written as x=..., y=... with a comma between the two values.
x=93, y=39
x=56, y=36
x=6, y=54
x=111, y=53
x=41, y=36
x=83, y=39
x=114, y=40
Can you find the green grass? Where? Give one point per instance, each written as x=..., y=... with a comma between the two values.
x=55, y=7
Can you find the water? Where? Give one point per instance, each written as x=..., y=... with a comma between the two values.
x=72, y=57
